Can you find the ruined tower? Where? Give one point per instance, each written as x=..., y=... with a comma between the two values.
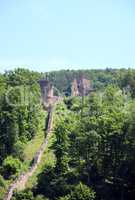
x=74, y=88
x=46, y=92
x=81, y=86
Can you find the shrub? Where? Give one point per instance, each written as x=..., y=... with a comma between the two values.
x=11, y=166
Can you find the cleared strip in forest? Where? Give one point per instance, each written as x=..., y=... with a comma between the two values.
x=22, y=180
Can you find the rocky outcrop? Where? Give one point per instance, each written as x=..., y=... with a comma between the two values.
x=22, y=180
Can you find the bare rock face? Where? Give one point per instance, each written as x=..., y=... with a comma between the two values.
x=81, y=86
x=46, y=92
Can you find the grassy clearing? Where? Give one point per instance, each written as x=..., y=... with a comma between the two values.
x=48, y=159
x=30, y=148
x=33, y=146
x=29, y=151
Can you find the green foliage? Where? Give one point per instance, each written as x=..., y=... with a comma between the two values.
x=65, y=198
x=40, y=197
x=60, y=147
x=2, y=182
x=18, y=150
x=94, y=140
x=21, y=112
x=25, y=195
x=80, y=192
x=98, y=146
x=21, y=76
x=11, y=166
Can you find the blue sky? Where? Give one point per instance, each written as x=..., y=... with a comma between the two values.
x=46, y=35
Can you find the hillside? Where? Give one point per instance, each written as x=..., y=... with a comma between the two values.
x=91, y=152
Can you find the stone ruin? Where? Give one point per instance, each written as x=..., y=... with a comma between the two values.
x=46, y=92
x=81, y=86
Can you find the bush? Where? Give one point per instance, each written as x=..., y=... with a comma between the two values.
x=23, y=195
x=18, y=150
x=11, y=166
x=2, y=183
x=40, y=197
x=81, y=192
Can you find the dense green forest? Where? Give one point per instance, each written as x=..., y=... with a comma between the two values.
x=93, y=138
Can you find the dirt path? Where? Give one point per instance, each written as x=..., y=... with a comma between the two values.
x=20, y=182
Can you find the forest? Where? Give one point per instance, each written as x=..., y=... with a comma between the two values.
x=91, y=154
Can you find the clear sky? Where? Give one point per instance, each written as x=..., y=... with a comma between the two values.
x=49, y=35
